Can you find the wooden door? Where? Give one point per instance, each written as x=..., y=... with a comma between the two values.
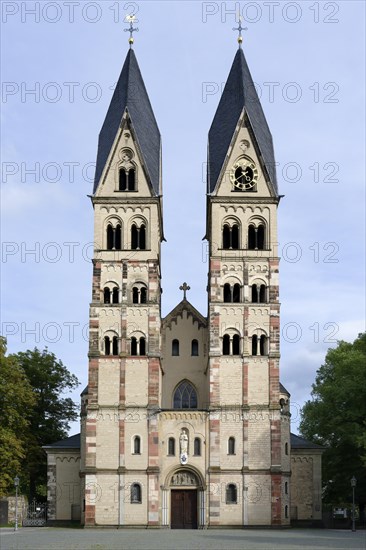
x=184, y=509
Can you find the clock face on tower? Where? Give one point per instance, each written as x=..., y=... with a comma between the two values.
x=244, y=174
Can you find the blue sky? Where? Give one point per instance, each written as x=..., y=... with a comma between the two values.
x=307, y=60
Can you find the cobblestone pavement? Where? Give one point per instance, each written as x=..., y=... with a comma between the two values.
x=47, y=538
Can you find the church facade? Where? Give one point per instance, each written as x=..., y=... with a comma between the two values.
x=184, y=421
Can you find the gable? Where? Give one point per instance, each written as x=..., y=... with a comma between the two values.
x=125, y=154
x=244, y=152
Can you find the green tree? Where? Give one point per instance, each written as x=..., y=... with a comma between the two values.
x=336, y=418
x=16, y=404
x=51, y=413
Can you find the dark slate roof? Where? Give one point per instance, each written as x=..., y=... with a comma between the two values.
x=239, y=93
x=72, y=442
x=85, y=391
x=298, y=442
x=131, y=94
x=282, y=389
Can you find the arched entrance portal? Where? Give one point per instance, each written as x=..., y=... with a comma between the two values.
x=184, y=500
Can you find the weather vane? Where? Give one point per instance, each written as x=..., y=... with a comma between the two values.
x=240, y=28
x=131, y=19
x=184, y=287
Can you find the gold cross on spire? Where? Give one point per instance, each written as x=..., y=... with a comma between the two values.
x=131, y=19
x=184, y=287
x=240, y=28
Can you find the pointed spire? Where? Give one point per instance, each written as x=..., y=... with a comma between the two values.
x=239, y=94
x=131, y=99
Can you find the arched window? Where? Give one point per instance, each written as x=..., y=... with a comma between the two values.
x=133, y=346
x=254, y=294
x=131, y=179
x=171, y=446
x=286, y=488
x=138, y=346
x=286, y=511
x=256, y=237
x=226, y=234
x=115, y=295
x=134, y=237
x=197, y=446
x=254, y=344
x=286, y=448
x=114, y=237
x=142, y=238
x=118, y=238
x=227, y=293
x=135, y=493
x=122, y=182
x=231, y=494
x=236, y=344
x=235, y=237
x=260, y=237
x=137, y=445
x=135, y=295
x=115, y=345
x=262, y=294
x=231, y=446
x=251, y=237
x=139, y=294
x=226, y=345
x=142, y=346
x=185, y=396
x=230, y=237
x=107, y=295
x=236, y=293
x=231, y=344
x=194, y=350
x=175, y=347
x=127, y=180
x=110, y=237
x=138, y=237
x=143, y=295
x=231, y=293
x=107, y=345
x=263, y=345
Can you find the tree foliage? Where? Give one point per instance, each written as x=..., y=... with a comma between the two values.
x=51, y=415
x=36, y=413
x=336, y=418
x=16, y=403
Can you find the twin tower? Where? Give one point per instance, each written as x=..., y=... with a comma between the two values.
x=184, y=421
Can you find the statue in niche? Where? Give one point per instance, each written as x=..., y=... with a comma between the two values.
x=183, y=442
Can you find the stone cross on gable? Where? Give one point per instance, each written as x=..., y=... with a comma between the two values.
x=184, y=287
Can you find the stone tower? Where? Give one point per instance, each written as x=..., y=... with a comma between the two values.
x=249, y=437
x=184, y=421
x=124, y=388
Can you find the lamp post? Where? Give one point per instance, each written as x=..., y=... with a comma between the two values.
x=16, y=484
x=353, y=485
